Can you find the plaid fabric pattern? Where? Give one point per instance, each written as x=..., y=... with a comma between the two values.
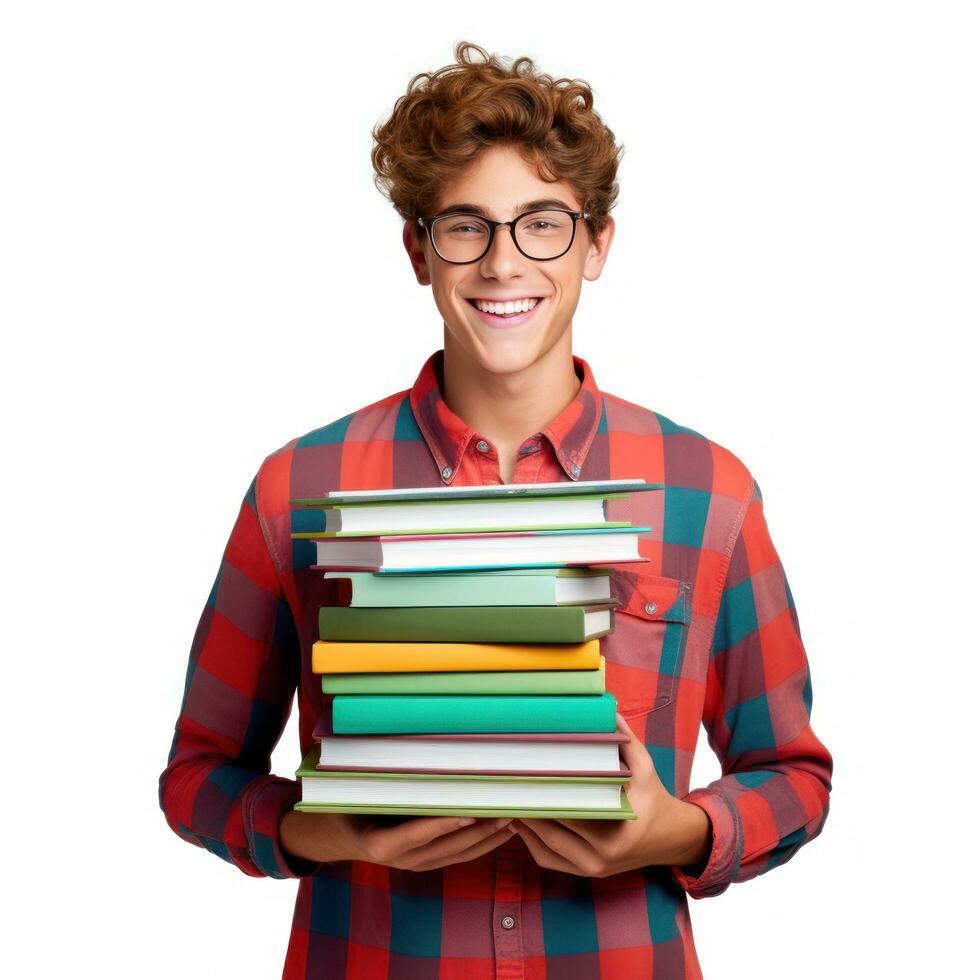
x=707, y=634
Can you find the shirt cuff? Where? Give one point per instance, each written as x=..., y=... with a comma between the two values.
x=264, y=808
x=719, y=872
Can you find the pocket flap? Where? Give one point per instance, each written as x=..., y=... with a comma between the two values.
x=652, y=597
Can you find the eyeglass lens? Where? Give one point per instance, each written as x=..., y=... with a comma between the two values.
x=540, y=234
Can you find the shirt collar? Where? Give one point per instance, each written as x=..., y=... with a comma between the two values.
x=447, y=435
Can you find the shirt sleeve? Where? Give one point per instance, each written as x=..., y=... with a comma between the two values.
x=243, y=668
x=774, y=792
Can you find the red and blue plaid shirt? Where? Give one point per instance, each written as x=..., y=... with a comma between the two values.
x=707, y=633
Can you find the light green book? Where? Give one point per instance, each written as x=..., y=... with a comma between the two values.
x=470, y=682
x=497, y=587
x=451, y=794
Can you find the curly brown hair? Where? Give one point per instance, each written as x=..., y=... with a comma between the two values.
x=448, y=117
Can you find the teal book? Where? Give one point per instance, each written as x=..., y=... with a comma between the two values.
x=376, y=714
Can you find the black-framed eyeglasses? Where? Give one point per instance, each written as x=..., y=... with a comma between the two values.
x=461, y=237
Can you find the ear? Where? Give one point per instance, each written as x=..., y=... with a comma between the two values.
x=415, y=246
x=598, y=251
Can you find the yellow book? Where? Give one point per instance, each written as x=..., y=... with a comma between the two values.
x=341, y=657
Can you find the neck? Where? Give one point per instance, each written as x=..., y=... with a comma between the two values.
x=507, y=408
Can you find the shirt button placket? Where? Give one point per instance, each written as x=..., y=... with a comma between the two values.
x=528, y=462
x=508, y=940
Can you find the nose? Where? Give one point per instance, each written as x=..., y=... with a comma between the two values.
x=503, y=260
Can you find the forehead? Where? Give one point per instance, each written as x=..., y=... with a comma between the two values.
x=499, y=184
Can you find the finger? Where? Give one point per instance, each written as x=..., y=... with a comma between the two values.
x=589, y=830
x=470, y=853
x=450, y=844
x=543, y=856
x=416, y=833
x=565, y=843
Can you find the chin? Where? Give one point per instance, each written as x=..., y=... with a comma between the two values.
x=507, y=362
x=508, y=356
x=500, y=352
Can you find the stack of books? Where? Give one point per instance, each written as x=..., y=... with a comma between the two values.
x=463, y=659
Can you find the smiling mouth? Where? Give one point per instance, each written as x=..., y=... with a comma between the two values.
x=536, y=301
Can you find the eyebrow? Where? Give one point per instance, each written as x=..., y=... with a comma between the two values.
x=544, y=202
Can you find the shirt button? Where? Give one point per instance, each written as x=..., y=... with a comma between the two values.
x=575, y=470
x=447, y=472
x=507, y=922
x=483, y=445
x=651, y=608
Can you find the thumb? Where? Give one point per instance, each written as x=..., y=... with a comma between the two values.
x=634, y=751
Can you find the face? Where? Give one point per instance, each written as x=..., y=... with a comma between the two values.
x=502, y=183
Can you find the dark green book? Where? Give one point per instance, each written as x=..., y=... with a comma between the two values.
x=468, y=624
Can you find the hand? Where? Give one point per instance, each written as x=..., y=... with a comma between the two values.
x=416, y=845
x=666, y=830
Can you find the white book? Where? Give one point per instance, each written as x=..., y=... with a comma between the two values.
x=490, y=550
x=460, y=791
x=462, y=514
x=477, y=755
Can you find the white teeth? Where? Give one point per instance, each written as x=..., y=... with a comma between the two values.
x=513, y=306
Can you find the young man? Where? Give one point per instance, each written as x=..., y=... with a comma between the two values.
x=513, y=212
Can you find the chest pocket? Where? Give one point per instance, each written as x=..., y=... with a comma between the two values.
x=645, y=652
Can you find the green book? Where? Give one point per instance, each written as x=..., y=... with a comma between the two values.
x=470, y=682
x=368, y=714
x=477, y=795
x=495, y=587
x=625, y=811
x=468, y=624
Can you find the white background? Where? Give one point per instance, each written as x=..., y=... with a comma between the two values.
x=196, y=267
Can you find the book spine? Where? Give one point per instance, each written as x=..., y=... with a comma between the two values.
x=625, y=812
x=468, y=682
x=445, y=624
x=370, y=714
x=433, y=590
x=349, y=657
